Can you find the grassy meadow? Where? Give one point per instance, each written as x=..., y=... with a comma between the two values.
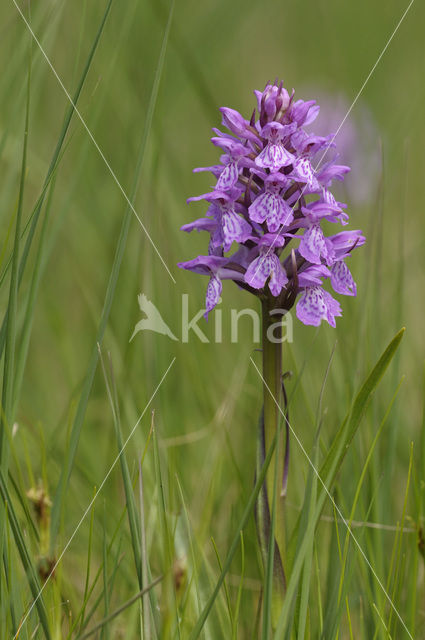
x=94, y=544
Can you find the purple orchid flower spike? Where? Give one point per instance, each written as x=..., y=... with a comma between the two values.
x=271, y=197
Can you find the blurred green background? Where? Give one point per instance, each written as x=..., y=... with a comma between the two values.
x=205, y=412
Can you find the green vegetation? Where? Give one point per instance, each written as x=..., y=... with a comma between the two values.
x=127, y=468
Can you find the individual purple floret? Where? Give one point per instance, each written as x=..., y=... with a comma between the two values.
x=271, y=197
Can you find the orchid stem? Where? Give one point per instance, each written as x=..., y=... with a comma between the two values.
x=271, y=529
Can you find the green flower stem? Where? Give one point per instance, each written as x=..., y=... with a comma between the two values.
x=272, y=372
x=270, y=502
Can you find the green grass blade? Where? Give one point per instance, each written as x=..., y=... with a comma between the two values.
x=104, y=635
x=133, y=518
x=193, y=555
x=25, y=334
x=25, y=556
x=146, y=602
x=120, y=609
x=348, y=429
x=89, y=554
x=422, y=450
x=240, y=589
x=319, y=593
x=398, y=573
x=35, y=211
x=8, y=571
x=6, y=417
x=226, y=590
x=6, y=244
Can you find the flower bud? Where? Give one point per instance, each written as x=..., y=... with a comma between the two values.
x=274, y=101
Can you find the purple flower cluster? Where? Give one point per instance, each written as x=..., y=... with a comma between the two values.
x=271, y=197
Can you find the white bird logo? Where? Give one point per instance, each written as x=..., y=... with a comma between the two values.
x=153, y=320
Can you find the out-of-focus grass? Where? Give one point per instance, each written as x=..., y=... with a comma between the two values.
x=205, y=411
